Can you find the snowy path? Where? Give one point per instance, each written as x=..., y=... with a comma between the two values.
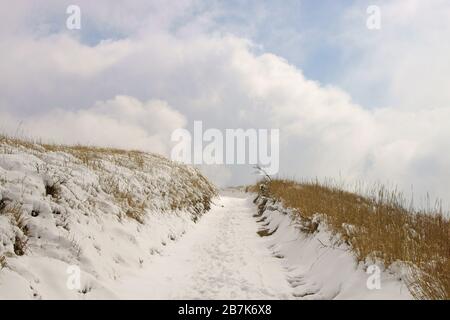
x=221, y=258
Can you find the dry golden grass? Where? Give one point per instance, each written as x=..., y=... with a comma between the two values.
x=124, y=198
x=88, y=155
x=382, y=228
x=14, y=211
x=3, y=263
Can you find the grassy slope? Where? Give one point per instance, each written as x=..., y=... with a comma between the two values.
x=194, y=195
x=378, y=226
x=55, y=196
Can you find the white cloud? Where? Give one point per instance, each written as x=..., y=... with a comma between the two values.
x=122, y=122
x=407, y=60
x=217, y=78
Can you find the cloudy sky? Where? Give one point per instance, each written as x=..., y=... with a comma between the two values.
x=351, y=103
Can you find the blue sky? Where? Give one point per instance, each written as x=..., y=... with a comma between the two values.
x=307, y=33
x=300, y=31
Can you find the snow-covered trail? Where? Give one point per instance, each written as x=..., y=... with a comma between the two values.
x=221, y=258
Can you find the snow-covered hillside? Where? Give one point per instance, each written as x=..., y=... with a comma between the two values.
x=318, y=265
x=105, y=211
x=134, y=225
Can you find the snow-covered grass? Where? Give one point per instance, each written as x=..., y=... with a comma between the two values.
x=376, y=228
x=104, y=210
x=317, y=266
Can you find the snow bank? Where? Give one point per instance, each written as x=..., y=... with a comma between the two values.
x=319, y=264
x=105, y=211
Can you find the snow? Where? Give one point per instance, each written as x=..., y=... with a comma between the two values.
x=222, y=258
x=86, y=225
x=319, y=267
x=177, y=250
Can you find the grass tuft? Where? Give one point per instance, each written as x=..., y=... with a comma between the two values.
x=3, y=263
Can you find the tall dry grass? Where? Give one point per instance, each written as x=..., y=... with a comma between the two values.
x=3, y=263
x=380, y=226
